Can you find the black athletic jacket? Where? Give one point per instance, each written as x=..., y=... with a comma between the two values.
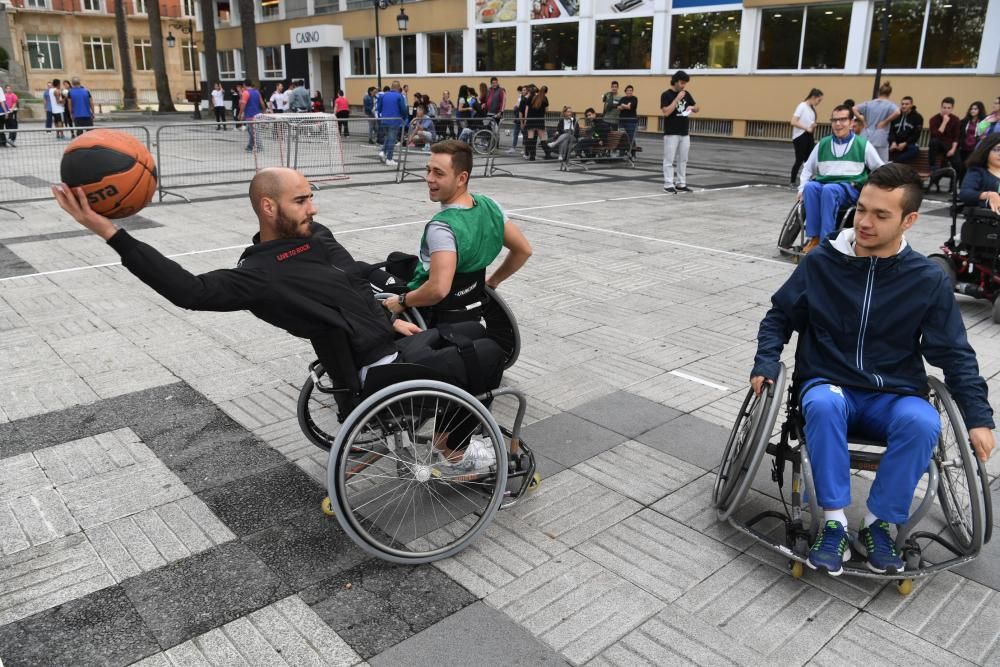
x=307, y=286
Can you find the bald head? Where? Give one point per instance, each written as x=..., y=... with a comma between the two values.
x=270, y=182
x=283, y=202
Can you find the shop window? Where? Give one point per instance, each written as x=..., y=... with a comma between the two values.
x=624, y=44
x=401, y=54
x=929, y=34
x=444, y=52
x=496, y=50
x=554, y=46
x=813, y=37
x=705, y=40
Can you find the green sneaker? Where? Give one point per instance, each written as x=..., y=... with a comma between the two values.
x=831, y=549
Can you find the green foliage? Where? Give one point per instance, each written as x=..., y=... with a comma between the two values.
x=4, y=59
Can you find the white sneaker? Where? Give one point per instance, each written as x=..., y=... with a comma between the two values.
x=479, y=457
x=391, y=163
x=381, y=156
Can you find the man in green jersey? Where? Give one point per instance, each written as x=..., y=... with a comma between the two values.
x=833, y=176
x=461, y=240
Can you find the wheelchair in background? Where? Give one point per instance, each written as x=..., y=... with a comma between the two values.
x=971, y=258
x=955, y=477
x=792, y=237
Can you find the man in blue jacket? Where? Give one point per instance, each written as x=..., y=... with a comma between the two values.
x=866, y=307
x=392, y=111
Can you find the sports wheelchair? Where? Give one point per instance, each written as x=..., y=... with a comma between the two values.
x=971, y=259
x=792, y=237
x=386, y=487
x=954, y=476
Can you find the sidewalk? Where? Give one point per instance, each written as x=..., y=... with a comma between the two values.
x=159, y=505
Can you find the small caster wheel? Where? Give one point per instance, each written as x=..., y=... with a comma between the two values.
x=327, y=506
x=797, y=569
x=536, y=481
x=904, y=586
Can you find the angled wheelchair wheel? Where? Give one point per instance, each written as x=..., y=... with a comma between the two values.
x=501, y=326
x=792, y=227
x=746, y=446
x=946, y=265
x=963, y=483
x=484, y=142
x=846, y=220
x=394, y=494
x=317, y=409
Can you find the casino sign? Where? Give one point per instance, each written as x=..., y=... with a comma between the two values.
x=316, y=36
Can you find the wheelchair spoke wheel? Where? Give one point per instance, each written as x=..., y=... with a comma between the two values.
x=484, y=142
x=791, y=228
x=961, y=486
x=501, y=326
x=396, y=492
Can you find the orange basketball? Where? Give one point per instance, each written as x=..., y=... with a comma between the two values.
x=115, y=170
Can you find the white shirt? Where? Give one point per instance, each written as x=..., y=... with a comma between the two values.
x=279, y=101
x=54, y=98
x=218, y=98
x=806, y=115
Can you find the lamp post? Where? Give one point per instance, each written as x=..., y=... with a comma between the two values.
x=402, y=22
x=188, y=29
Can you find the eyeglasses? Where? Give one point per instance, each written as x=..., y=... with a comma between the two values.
x=995, y=149
x=840, y=120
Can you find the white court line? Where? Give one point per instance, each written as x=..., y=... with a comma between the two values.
x=588, y=228
x=699, y=380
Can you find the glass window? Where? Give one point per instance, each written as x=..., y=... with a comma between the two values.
x=363, y=57
x=954, y=34
x=98, y=53
x=270, y=9
x=227, y=64
x=44, y=51
x=827, y=28
x=624, y=44
x=274, y=62
x=187, y=8
x=401, y=54
x=444, y=52
x=222, y=14
x=495, y=50
x=142, y=52
x=140, y=6
x=708, y=40
x=189, y=53
x=906, y=23
x=36, y=4
x=326, y=6
x=554, y=46
x=780, y=37
x=91, y=5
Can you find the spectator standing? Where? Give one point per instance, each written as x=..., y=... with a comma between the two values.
x=429, y=107
x=857, y=123
x=804, y=130
x=981, y=185
x=298, y=97
x=11, y=100
x=368, y=108
x=496, y=100
x=67, y=116
x=234, y=102
x=392, y=112
x=3, y=120
x=279, y=100
x=877, y=114
x=47, y=101
x=58, y=107
x=81, y=106
x=463, y=110
x=628, y=115
x=342, y=110
x=219, y=105
x=567, y=133
x=942, y=149
x=446, y=116
x=904, y=132
x=610, y=101
x=251, y=106
x=535, y=121
x=676, y=104
x=517, y=122
x=317, y=102
x=967, y=139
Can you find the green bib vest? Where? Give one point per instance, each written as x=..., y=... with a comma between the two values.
x=478, y=237
x=848, y=168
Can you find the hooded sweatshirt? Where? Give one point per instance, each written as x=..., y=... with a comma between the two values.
x=866, y=322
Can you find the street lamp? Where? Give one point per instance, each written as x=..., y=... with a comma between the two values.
x=402, y=22
x=188, y=29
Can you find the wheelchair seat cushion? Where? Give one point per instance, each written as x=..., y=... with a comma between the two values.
x=981, y=230
x=461, y=354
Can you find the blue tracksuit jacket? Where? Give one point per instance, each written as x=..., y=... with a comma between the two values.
x=866, y=321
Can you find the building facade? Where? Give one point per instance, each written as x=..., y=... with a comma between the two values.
x=60, y=39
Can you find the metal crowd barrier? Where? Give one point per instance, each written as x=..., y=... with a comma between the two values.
x=28, y=171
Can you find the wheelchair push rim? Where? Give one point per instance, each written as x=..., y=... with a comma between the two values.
x=397, y=500
x=501, y=326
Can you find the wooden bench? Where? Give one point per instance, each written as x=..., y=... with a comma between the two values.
x=921, y=164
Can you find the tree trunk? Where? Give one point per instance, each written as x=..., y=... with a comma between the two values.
x=208, y=42
x=249, y=30
x=159, y=62
x=125, y=56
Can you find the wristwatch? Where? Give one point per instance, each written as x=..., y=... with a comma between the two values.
x=402, y=300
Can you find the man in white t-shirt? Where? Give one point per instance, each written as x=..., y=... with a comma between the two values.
x=58, y=107
x=279, y=100
x=219, y=105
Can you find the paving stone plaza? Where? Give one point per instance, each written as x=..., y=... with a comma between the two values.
x=159, y=504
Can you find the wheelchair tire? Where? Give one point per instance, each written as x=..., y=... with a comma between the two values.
x=501, y=326
x=947, y=267
x=392, y=495
x=846, y=220
x=484, y=142
x=792, y=227
x=317, y=411
x=996, y=310
x=746, y=446
x=962, y=484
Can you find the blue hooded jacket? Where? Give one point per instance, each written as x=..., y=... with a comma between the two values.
x=866, y=322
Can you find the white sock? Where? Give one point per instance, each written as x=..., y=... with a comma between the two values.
x=835, y=515
x=869, y=520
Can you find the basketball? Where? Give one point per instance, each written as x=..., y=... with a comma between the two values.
x=115, y=170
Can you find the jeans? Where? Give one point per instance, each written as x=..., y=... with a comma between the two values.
x=675, y=148
x=252, y=143
x=82, y=121
x=391, y=134
x=372, y=123
x=909, y=424
x=822, y=201
x=563, y=144
x=517, y=132
x=905, y=155
x=629, y=125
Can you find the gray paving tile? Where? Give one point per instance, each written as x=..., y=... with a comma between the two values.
x=157, y=536
x=675, y=637
x=89, y=457
x=28, y=521
x=690, y=439
x=571, y=508
x=569, y=439
x=638, y=472
x=575, y=605
x=784, y=619
x=191, y=596
x=657, y=554
x=625, y=413
x=870, y=640
x=286, y=632
x=263, y=408
x=21, y=476
x=938, y=611
x=477, y=634
x=507, y=549
x=48, y=575
x=98, y=629
x=376, y=605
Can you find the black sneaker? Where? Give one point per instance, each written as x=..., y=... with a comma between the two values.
x=669, y=190
x=684, y=188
